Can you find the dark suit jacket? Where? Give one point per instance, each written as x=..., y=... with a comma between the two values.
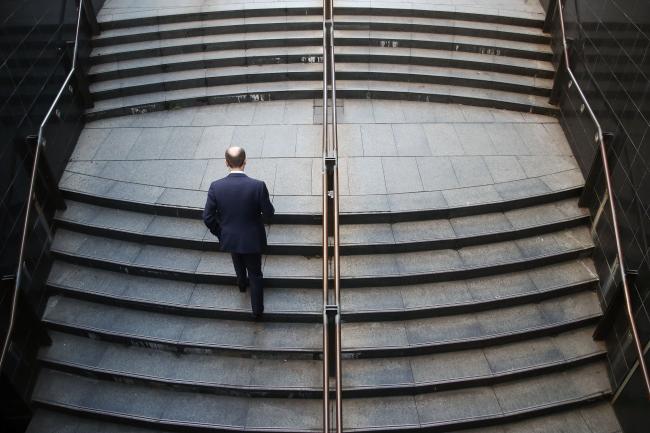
x=233, y=212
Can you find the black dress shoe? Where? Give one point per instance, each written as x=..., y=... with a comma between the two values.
x=242, y=286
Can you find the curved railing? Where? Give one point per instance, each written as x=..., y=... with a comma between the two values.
x=32, y=182
x=611, y=199
x=331, y=263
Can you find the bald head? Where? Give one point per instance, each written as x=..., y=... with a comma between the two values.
x=235, y=157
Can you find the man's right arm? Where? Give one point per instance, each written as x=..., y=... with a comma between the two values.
x=210, y=213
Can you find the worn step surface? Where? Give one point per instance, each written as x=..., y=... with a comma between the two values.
x=165, y=408
x=306, y=238
x=304, y=304
x=245, y=376
x=360, y=339
x=357, y=270
x=593, y=418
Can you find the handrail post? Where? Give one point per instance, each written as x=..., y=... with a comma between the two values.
x=599, y=138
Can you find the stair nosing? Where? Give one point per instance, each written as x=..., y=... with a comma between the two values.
x=383, y=390
x=261, y=76
x=451, y=274
x=497, y=98
x=308, y=218
x=470, y=422
x=350, y=316
x=309, y=353
x=459, y=27
x=455, y=242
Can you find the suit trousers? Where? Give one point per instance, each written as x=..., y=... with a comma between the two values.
x=251, y=263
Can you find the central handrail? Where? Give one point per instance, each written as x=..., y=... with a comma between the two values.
x=30, y=197
x=331, y=264
x=612, y=205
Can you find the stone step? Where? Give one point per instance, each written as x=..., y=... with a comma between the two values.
x=305, y=304
x=306, y=239
x=373, y=339
x=84, y=186
x=214, y=48
x=472, y=407
x=596, y=417
x=250, y=377
x=356, y=271
x=533, y=19
x=152, y=51
x=282, y=90
x=125, y=87
x=207, y=26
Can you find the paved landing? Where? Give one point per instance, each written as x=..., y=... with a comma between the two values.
x=395, y=155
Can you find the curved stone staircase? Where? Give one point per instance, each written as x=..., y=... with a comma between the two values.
x=142, y=65
x=475, y=314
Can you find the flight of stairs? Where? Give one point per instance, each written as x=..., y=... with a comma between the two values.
x=465, y=317
x=166, y=62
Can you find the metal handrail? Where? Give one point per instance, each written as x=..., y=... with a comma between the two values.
x=330, y=152
x=612, y=205
x=39, y=144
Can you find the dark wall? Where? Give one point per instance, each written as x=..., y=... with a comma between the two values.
x=610, y=55
x=35, y=57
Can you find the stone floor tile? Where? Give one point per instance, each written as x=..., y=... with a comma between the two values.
x=437, y=173
x=401, y=175
x=410, y=140
x=378, y=140
x=442, y=139
x=471, y=196
x=423, y=230
x=449, y=406
x=471, y=171
x=444, y=367
x=480, y=224
x=251, y=138
x=214, y=141
x=502, y=285
x=118, y=144
x=416, y=201
x=377, y=412
x=474, y=139
x=280, y=141
x=504, y=168
x=283, y=414
x=373, y=335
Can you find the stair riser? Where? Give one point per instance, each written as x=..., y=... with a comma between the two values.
x=314, y=25
x=306, y=353
x=463, y=47
x=338, y=11
x=316, y=317
x=207, y=31
x=317, y=393
x=356, y=218
x=314, y=57
x=213, y=15
x=441, y=30
x=477, y=422
x=372, y=281
x=255, y=78
x=313, y=94
x=315, y=250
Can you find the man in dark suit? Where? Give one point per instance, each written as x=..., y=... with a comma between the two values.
x=233, y=212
